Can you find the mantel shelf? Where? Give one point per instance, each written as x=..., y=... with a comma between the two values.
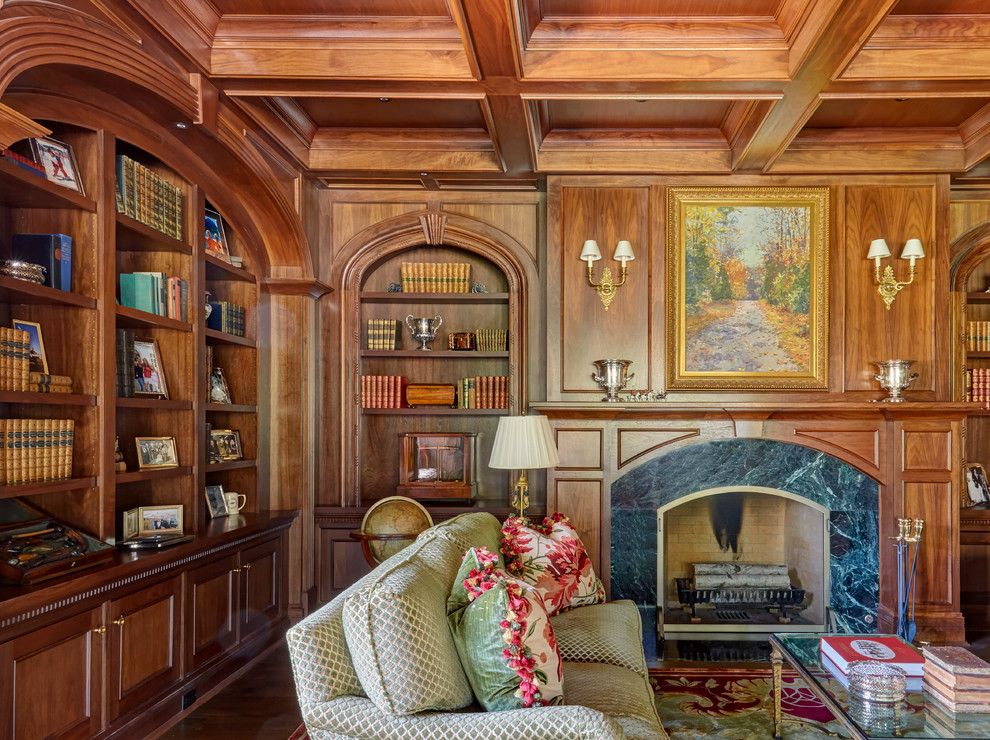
x=755, y=409
x=434, y=297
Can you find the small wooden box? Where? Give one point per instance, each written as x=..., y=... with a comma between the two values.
x=437, y=466
x=430, y=394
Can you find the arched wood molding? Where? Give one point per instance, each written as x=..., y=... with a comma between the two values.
x=14, y=127
x=968, y=250
x=32, y=41
x=366, y=249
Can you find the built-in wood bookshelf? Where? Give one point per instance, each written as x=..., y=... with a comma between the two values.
x=79, y=331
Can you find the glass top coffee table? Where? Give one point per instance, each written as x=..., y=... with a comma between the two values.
x=917, y=715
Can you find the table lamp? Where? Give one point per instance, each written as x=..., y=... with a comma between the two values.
x=522, y=443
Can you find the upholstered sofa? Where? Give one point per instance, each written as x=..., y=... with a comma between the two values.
x=374, y=678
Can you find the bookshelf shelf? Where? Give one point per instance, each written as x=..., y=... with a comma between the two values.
x=444, y=354
x=213, y=336
x=435, y=411
x=134, y=236
x=230, y=465
x=23, y=189
x=23, y=292
x=232, y=408
x=48, y=399
x=153, y=403
x=217, y=269
x=134, y=319
x=472, y=298
x=47, y=486
x=134, y=476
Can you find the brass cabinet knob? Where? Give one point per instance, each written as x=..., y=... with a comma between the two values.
x=237, y=570
x=101, y=630
x=119, y=621
x=246, y=566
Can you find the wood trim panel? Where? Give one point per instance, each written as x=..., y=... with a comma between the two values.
x=581, y=500
x=580, y=449
x=633, y=444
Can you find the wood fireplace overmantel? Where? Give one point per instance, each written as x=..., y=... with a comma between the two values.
x=913, y=450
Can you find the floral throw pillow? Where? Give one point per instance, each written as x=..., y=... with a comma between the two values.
x=552, y=558
x=503, y=637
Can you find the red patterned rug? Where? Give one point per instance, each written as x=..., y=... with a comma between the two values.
x=728, y=703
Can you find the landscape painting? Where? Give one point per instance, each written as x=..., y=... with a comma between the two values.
x=747, y=288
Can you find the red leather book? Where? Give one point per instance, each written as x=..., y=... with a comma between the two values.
x=844, y=649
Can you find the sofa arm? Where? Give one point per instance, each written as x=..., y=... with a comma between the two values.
x=359, y=718
x=321, y=662
x=609, y=633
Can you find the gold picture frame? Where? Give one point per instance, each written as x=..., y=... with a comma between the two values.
x=153, y=520
x=747, y=288
x=156, y=452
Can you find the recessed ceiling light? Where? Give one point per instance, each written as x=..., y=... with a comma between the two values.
x=900, y=100
x=181, y=124
x=424, y=174
x=384, y=100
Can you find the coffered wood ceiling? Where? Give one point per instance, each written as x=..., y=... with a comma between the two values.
x=509, y=90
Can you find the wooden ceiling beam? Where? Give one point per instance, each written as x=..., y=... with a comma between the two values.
x=676, y=150
x=868, y=150
x=975, y=134
x=836, y=45
x=421, y=150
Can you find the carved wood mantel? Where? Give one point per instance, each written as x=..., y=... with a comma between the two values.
x=912, y=450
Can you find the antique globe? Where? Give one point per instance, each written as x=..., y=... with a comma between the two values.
x=390, y=525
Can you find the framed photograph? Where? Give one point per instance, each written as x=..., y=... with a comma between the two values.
x=59, y=162
x=160, y=519
x=219, y=393
x=38, y=361
x=131, y=526
x=227, y=443
x=216, y=501
x=156, y=452
x=149, y=374
x=747, y=298
x=216, y=239
x=977, y=488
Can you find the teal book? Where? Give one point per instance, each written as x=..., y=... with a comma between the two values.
x=138, y=291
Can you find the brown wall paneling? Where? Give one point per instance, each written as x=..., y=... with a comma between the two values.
x=927, y=450
x=936, y=504
x=907, y=330
x=635, y=443
x=974, y=571
x=579, y=449
x=581, y=500
x=588, y=331
x=521, y=220
x=347, y=219
x=862, y=446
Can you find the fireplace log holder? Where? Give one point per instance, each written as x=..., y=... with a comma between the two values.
x=740, y=598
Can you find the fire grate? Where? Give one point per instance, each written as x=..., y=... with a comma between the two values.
x=731, y=615
x=736, y=599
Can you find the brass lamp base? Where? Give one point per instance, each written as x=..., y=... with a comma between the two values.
x=520, y=495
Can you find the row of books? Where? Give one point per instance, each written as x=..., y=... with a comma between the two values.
x=978, y=385
x=957, y=679
x=36, y=449
x=23, y=162
x=226, y=317
x=16, y=374
x=383, y=391
x=435, y=277
x=483, y=392
x=155, y=292
x=147, y=197
x=491, y=340
x=384, y=334
x=978, y=336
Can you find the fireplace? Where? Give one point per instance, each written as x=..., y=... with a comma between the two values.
x=808, y=510
x=743, y=559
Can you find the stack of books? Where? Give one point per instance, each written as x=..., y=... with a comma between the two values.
x=957, y=679
x=24, y=162
x=15, y=359
x=491, y=340
x=435, y=277
x=155, y=292
x=384, y=334
x=838, y=651
x=125, y=363
x=226, y=317
x=36, y=449
x=147, y=197
x=46, y=383
x=978, y=385
x=483, y=392
x=978, y=336
x=383, y=392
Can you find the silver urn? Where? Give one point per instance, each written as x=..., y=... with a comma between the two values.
x=894, y=377
x=423, y=329
x=612, y=376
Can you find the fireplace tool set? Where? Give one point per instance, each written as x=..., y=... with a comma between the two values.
x=908, y=533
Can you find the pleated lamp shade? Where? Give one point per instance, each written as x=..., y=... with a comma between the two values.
x=523, y=443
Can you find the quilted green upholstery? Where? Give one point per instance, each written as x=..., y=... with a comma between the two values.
x=602, y=633
x=389, y=614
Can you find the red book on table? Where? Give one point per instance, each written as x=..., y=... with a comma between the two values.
x=844, y=649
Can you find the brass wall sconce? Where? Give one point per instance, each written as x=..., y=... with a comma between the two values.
x=606, y=288
x=888, y=285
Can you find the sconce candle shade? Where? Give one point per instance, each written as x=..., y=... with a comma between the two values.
x=522, y=443
x=913, y=250
x=878, y=248
x=590, y=251
x=624, y=252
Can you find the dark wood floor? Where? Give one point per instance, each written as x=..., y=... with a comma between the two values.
x=261, y=704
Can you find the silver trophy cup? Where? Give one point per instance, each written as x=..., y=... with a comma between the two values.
x=894, y=377
x=612, y=377
x=423, y=329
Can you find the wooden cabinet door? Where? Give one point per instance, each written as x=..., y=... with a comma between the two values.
x=261, y=574
x=51, y=681
x=211, y=611
x=144, y=646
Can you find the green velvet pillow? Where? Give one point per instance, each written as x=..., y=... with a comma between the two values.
x=503, y=636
